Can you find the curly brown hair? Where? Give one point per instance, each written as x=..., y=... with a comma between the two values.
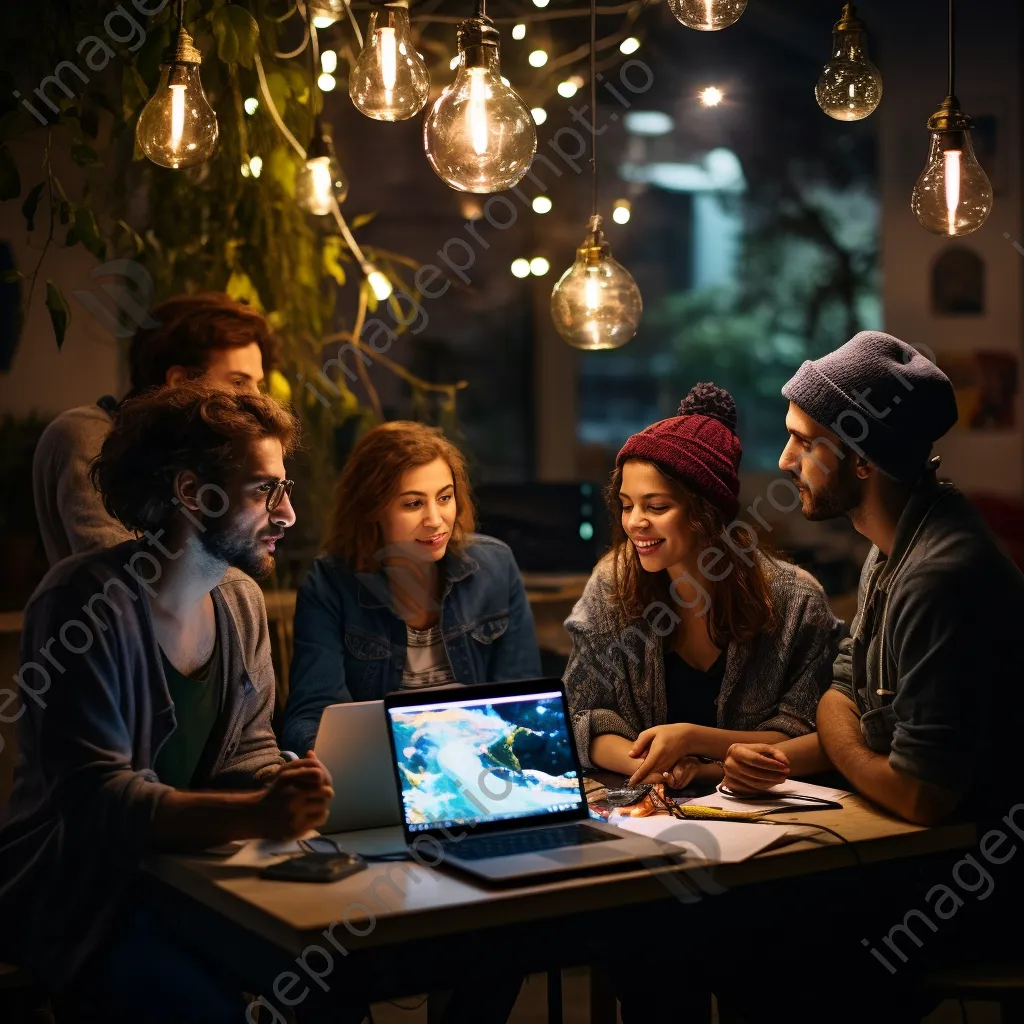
x=187, y=328
x=370, y=480
x=741, y=604
x=164, y=431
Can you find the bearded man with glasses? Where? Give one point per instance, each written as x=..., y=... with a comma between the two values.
x=148, y=725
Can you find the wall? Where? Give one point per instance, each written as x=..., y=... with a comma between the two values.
x=911, y=52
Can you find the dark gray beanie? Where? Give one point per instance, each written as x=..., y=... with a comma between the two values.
x=882, y=397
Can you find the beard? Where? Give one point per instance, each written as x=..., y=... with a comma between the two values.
x=842, y=494
x=240, y=550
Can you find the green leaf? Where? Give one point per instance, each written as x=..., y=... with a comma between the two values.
x=362, y=218
x=11, y=276
x=236, y=32
x=280, y=91
x=241, y=289
x=131, y=236
x=281, y=167
x=85, y=156
x=60, y=315
x=10, y=180
x=333, y=248
x=88, y=233
x=31, y=204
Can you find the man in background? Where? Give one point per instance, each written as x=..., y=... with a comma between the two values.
x=206, y=335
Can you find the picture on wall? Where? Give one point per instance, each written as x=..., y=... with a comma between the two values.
x=986, y=388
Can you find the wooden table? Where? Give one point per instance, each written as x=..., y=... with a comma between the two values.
x=407, y=914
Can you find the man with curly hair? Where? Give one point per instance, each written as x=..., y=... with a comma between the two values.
x=146, y=708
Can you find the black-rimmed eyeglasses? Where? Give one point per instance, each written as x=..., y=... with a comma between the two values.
x=276, y=490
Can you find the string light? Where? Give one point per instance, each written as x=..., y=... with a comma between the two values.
x=567, y=89
x=539, y=266
x=251, y=105
x=520, y=268
x=621, y=211
x=630, y=45
x=519, y=31
x=324, y=13
x=596, y=303
x=542, y=204
x=326, y=83
x=177, y=127
x=712, y=96
x=538, y=58
x=539, y=115
x=329, y=61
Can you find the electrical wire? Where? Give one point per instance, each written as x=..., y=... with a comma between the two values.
x=952, y=55
x=593, y=106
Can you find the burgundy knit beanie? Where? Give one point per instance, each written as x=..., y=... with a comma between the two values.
x=698, y=447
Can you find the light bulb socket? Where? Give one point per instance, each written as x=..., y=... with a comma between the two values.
x=182, y=51
x=475, y=36
x=595, y=246
x=949, y=117
x=848, y=20
x=320, y=145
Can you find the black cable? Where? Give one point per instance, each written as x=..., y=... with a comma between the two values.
x=952, y=55
x=181, y=15
x=593, y=105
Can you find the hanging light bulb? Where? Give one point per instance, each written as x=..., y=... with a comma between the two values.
x=479, y=135
x=389, y=81
x=953, y=196
x=324, y=13
x=849, y=87
x=707, y=15
x=378, y=282
x=177, y=127
x=321, y=180
x=596, y=303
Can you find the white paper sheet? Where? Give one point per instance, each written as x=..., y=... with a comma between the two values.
x=713, y=842
x=728, y=803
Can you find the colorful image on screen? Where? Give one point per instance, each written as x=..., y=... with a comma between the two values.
x=469, y=761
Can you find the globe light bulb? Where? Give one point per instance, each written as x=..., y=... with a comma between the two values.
x=849, y=87
x=596, y=303
x=479, y=136
x=325, y=13
x=177, y=127
x=707, y=15
x=321, y=182
x=389, y=81
x=953, y=196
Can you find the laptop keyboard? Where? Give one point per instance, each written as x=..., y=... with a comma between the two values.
x=507, y=844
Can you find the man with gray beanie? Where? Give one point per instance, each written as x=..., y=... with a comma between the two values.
x=924, y=713
x=922, y=697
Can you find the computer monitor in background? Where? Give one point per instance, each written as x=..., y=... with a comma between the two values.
x=550, y=527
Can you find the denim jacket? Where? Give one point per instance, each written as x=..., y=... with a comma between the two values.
x=350, y=644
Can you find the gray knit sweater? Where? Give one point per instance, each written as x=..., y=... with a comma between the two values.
x=70, y=511
x=616, y=672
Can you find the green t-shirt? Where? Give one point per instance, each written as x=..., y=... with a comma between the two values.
x=196, y=707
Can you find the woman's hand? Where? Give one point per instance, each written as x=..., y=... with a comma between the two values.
x=754, y=767
x=662, y=748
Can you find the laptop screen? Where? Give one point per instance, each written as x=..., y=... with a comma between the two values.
x=473, y=761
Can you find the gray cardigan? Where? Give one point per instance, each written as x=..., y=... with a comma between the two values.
x=85, y=791
x=616, y=672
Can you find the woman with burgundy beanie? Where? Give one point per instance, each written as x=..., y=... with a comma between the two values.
x=683, y=643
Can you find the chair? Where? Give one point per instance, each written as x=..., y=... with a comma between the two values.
x=997, y=982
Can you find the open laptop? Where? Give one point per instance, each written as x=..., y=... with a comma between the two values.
x=492, y=774
x=353, y=744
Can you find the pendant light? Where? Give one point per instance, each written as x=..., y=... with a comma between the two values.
x=479, y=136
x=850, y=86
x=953, y=196
x=596, y=303
x=177, y=127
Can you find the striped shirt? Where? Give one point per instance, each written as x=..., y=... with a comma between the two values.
x=426, y=660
